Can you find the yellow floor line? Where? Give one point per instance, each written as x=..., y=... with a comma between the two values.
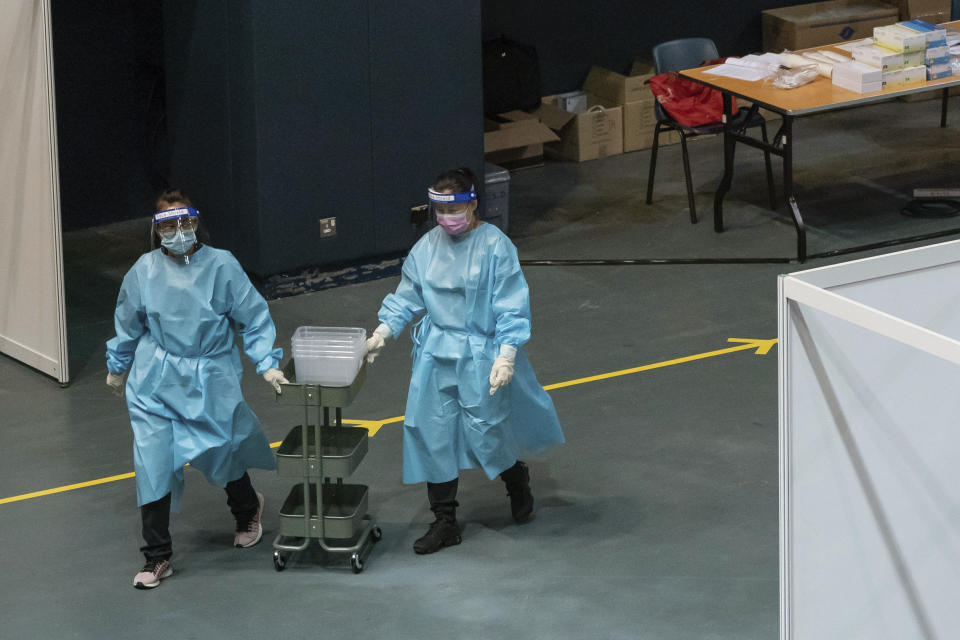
x=69, y=487
x=761, y=346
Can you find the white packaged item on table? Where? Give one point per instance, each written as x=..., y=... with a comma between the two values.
x=796, y=76
x=885, y=59
x=913, y=76
x=851, y=85
x=937, y=55
x=819, y=56
x=903, y=78
x=858, y=77
x=794, y=61
x=834, y=56
x=899, y=38
x=936, y=36
x=938, y=71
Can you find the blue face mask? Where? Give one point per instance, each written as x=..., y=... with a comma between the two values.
x=181, y=242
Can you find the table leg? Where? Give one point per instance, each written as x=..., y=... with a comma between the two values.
x=729, y=146
x=787, y=146
x=943, y=107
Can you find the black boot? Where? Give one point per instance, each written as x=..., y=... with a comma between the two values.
x=517, y=479
x=444, y=531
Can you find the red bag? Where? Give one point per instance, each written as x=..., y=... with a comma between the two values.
x=689, y=103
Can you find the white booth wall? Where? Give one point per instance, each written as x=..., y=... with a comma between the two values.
x=870, y=539
x=32, y=307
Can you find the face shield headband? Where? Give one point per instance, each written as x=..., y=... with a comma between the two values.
x=436, y=198
x=451, y=210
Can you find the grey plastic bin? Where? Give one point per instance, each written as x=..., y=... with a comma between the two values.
x=496, y=196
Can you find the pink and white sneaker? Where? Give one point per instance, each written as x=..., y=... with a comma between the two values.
x=250, y=534
x=152, y=573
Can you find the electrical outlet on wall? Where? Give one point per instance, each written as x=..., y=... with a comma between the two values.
x=328, y=227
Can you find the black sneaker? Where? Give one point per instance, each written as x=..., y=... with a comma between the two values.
x=518, y=488
x=442, y=533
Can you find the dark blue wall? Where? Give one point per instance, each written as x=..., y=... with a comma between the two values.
x=572, y=35
x=281, y=114
x=274, y=115
x=108, y=70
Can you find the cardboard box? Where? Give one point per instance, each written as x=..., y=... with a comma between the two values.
x=633, y=95
x=932, y=11
x=517, y=140
x=617, y=88
x=818, y=23
x=595, y=134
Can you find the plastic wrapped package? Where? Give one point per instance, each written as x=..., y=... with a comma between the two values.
x=794, y=77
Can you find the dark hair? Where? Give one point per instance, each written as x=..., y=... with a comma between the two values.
x=169, y=196
x=457, y=181
x=164, y=200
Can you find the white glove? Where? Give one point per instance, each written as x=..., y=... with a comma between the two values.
x=501, y=373
x=376, y=342
x=275, y=378
x=115, y=382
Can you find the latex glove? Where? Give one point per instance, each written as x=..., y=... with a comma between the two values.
x=501, y=373
x=376, y=342
x=115, y=382
x=275, y=378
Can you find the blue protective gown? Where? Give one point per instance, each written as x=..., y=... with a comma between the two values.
x=473, y=298
x=176, y=326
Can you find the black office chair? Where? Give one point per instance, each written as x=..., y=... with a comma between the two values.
x=687, y=53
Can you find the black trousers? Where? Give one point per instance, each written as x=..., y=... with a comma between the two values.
x=155, y=517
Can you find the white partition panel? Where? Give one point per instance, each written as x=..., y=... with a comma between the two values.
x=32, y=315
x=870, y=448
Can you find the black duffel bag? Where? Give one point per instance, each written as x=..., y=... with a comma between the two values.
x=511, y=76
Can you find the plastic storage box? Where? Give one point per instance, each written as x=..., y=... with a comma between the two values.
x=496, y=196
x=329, y=356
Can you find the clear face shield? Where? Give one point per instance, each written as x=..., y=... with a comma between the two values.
x=177, y=230
x=452, y=210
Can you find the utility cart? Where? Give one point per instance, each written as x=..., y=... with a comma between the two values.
x=321, y=454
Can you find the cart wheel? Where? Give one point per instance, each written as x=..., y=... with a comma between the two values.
x=376, y=534
x=279, y=562
x=356, y=563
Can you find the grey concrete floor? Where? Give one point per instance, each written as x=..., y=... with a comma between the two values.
x=656, y=520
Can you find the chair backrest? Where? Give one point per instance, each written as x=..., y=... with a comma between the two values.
x=676, y=55
x=684, y=53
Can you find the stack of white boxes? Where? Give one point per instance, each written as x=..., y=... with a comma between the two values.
x=936, y=53
x=902, y=55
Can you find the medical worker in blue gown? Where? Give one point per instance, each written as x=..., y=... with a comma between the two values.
x=474, y=400
x=178, y=312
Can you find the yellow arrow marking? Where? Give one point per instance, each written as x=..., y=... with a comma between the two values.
x=761, y=347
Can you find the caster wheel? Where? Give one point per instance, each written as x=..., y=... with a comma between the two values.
x=376, y=534
x=279, y=562
x=356, y=563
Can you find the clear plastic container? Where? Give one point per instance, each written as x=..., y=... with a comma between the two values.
x=328, y=356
